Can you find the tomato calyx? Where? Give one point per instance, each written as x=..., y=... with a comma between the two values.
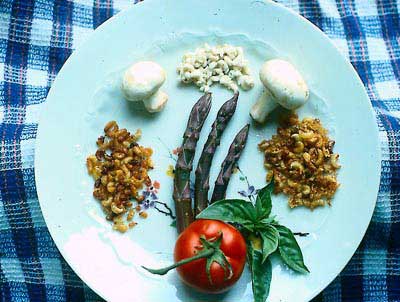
x=209, y=249
x=218, y=256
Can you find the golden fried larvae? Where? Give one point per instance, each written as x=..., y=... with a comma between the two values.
x=300, y=158
x=120, y=169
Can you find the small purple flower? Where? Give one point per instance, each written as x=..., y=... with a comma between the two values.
x=150, y=199
x=147, y=204
x=250, y=192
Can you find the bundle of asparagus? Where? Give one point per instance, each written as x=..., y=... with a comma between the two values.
x=184, y=164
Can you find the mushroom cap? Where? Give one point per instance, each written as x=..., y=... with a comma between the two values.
x=142, y=80
x=285, y=83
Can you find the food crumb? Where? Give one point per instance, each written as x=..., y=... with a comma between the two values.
x=132, y=224
x=131, y=213
x=143, y=215
x=170, y=171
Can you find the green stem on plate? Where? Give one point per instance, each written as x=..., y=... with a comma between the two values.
x=163, y=271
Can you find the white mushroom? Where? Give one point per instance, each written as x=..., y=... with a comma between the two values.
x=142, y=81
x=156, y=102
x=283, y=86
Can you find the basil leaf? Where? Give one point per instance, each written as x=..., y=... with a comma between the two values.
x=231, y=210
x=266, y=221
x=290, y=250
x=263, y=201
x=270, y=238
x=261, y=274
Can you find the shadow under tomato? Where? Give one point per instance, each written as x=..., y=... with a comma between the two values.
x=184, y=291
x=187, y=294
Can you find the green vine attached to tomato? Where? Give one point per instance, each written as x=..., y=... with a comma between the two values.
x=210, y=256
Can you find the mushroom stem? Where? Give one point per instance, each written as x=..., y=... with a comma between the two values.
x=156, y=102
x=263, y=107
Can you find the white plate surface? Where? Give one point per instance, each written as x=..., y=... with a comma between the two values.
x=85, y=96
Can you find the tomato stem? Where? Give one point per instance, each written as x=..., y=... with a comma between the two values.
x=210, y=250
x=201, y=254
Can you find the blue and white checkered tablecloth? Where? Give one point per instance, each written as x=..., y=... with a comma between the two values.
x=37, y=36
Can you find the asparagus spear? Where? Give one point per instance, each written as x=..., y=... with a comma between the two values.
x=229, y=163
x=202, y=185
x=184, y=164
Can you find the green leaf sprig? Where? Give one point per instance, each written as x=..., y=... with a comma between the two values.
x=264, y=237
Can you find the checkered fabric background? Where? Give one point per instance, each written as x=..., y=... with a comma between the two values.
x=37, y=36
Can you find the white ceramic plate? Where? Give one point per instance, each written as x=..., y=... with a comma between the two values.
x=85, y=96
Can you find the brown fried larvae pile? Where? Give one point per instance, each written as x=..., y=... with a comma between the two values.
x=301, y=161
x=120, y=169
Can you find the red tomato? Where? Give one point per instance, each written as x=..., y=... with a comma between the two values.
x=194, y=273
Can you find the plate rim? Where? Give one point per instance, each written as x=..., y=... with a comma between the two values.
x=138, y=5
